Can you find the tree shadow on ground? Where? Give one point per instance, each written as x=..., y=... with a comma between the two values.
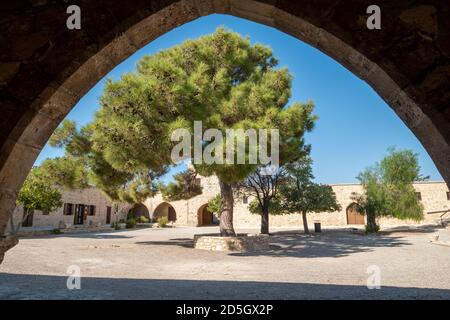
x=182, y=242
x=26, y=286
x=299, y=245
x=323, y=245
x=423, y=229
x=116, y=234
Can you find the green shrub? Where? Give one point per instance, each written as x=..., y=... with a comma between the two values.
x=115, y=225
x=56, y=231
x=131, y=223
x=143, y=219
x=368, y=229
x=162, y=222
x=130, y=215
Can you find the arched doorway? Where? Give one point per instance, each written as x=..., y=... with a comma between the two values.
x=165, y=209
x=204, y=217
x=139, y=210
x=403, y=64
x=353, y=216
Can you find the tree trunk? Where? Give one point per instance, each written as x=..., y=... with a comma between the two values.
x=305, y=222
x=226, y=210
x=265, y=219
x=371, y=222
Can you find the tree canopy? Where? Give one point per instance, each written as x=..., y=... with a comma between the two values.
x=184, y=187
x=388, y=188
x=222, y=80
x=265, y=189
x=37, y=193
x=299, y=194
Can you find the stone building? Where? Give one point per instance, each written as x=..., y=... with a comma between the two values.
x=91, y=208
x=434, y=196
x=86, y=208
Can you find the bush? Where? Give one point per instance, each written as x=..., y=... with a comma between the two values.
x=56, y=231
x=162, y=222
x=368, y=229
x=115, y=225
x=130, y=215
x=131, y=223
x=143, y=219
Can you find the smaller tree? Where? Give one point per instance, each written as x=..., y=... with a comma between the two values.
x=185, y=186
x=214, y=205
x=264, y=188
x=36, y=194
x=300, y=195
x=388, y=189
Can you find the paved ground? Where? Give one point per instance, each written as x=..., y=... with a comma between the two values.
x=161, y=264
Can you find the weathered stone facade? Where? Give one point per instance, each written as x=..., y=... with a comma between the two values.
x=189, y=212
x=251, y=242
x=46, y=68
x=59, y=219
x=433, y=194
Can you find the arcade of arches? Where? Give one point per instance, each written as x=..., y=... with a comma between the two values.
x=165, y=210
x=139, y=210
x=204, y=217
x=46, y=68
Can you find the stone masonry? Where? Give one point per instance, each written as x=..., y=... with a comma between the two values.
x=188, y=212
x=433, y=195
x=240, y=243
x=59, y=220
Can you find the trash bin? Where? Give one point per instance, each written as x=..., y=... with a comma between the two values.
x=317, y=227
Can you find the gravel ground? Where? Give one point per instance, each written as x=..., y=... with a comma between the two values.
x=161, y=264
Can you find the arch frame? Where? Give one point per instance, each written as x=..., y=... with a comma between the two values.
x=45, y=112
x=169, y=213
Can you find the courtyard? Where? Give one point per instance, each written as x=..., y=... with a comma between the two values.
x=160, y=263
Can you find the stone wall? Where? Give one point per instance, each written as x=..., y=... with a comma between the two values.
x=57, y=218
x=239, y=243
x=434, y=198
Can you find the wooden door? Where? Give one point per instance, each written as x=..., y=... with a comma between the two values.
x=108, y=215
x=172, y=216
x=353, y=217
x=79, y=214
x=206, y=217
x=28, y=222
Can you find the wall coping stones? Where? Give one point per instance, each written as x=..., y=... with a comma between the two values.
x=240, y=243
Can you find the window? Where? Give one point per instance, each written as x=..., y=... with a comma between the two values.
x=91, y=211
x=419, y=196
x=244, y=199
x=68, y=208
x=198, y=182
x=448, y=195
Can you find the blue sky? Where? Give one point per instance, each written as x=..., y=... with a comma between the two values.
x=355, y=125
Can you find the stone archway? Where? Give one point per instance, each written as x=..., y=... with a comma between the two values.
x=204, y=217
x=139, y=210
x=165, y=209
x=45, y=68
x=353, y=217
